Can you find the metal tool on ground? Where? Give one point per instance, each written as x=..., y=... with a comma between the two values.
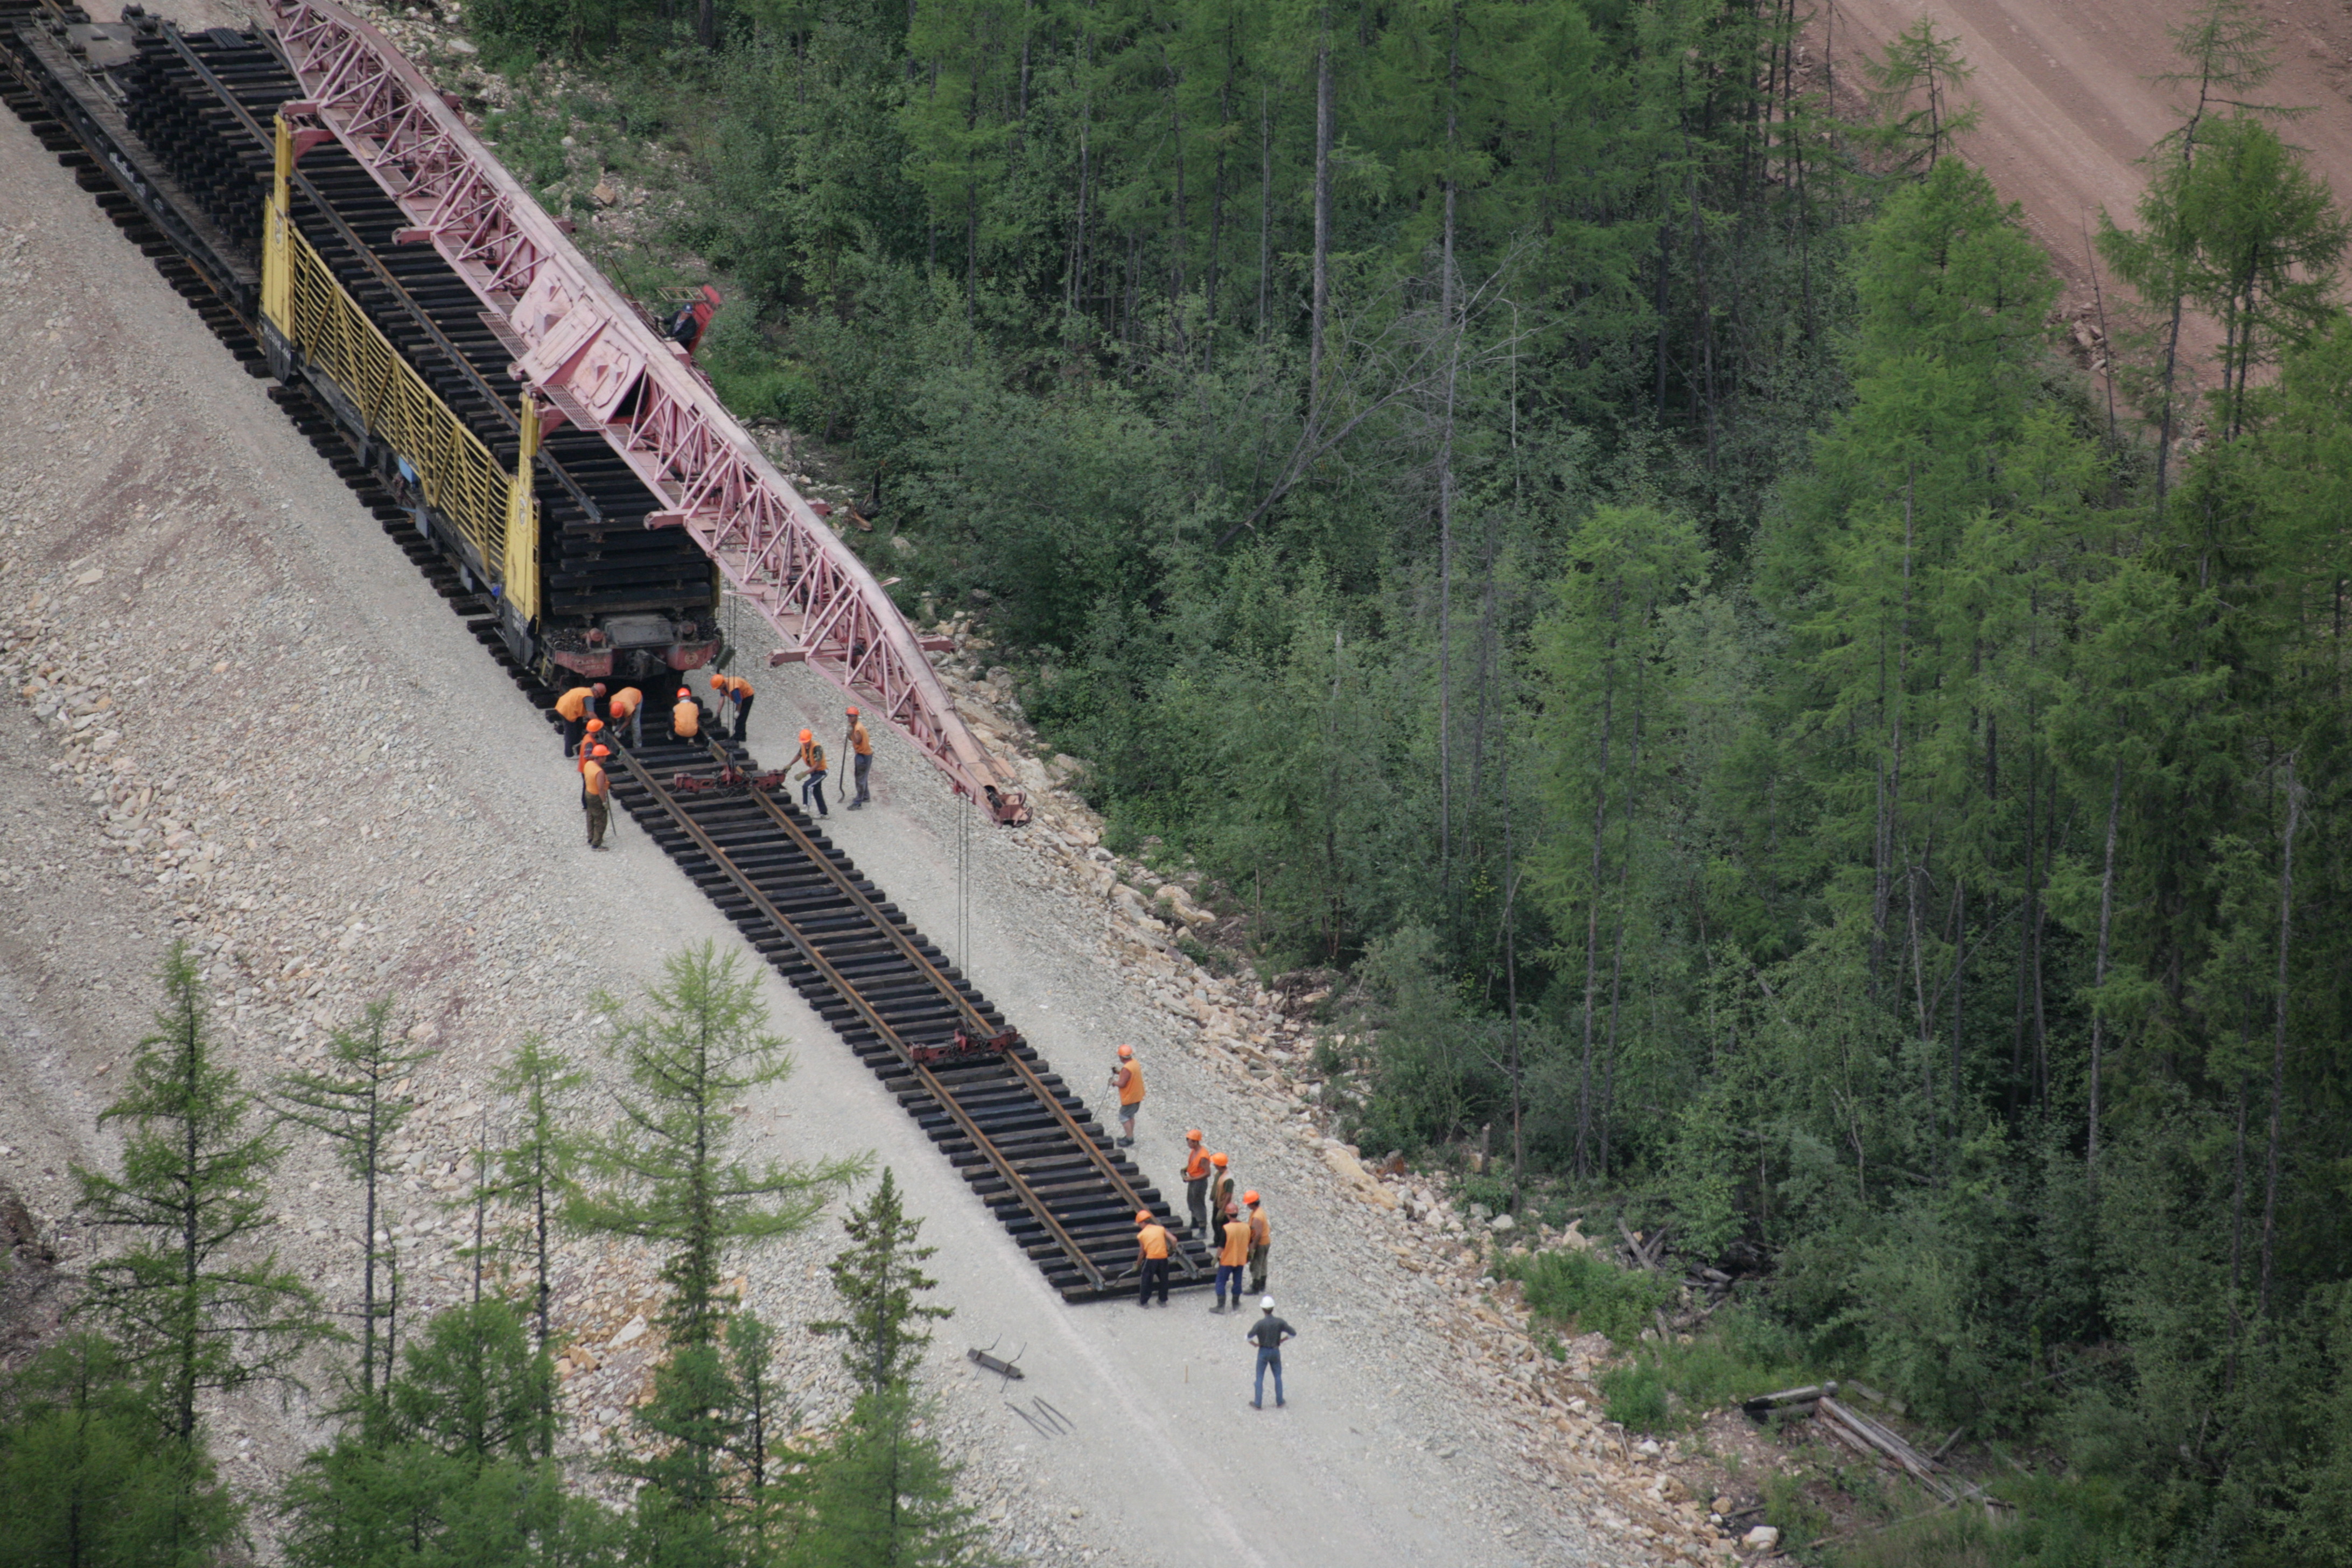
x=1009, y=1369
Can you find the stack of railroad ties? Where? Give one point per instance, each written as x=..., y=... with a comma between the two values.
x=1021, y=1137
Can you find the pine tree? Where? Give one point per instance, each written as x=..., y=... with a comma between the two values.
x=537, y=1167
x=878, y=1280
x=193, y=1301
x=352, y=1104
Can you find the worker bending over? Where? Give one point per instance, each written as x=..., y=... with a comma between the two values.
x=686, y=718
x=735, y=689
x=628, y=710
x=594, y=792
x=1233, y=1256
x=574, y=708
x=1196, y=1182
x=1261, y=1231
x=1128, y=1078
x=812, y=761
x=861, y=752
x=1151, y=1259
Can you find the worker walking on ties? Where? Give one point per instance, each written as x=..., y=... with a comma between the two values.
x=628, y=710
x=861, y=752
x=812, y=758
x=596, y=791
x=575, y=708
x=735, y=689
x=1220, y=1185
x=1128, y=1078
x=1261, y=1231
x=1196, y=1184
x=1233, y=1256
x=1151, y=1246
x=1269, y=1334
x=686, y=718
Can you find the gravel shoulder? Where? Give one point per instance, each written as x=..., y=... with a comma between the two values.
x=237, y=717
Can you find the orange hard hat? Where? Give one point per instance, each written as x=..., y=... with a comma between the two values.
x=714, y=677
x=683, y=694
x=602, y=751
x=1219, y=1160
x=1193, y=1136
x=851, y=711
x=594, y=725
x=1143, y=1216
x=1249, y=1197
x=1125, y=1052
x=806, y=737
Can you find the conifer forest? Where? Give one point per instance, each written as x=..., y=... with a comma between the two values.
x=1579, y=518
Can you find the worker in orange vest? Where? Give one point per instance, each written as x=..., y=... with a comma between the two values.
x=734, y=689
x=861, y=749
x=1260, y=1242
x=1196, y=1182
x=594, y=791
x=1128, y=1078
x=812, y=761
x=1151, y=1248
x=591, y=737
x=1221, y=1186
x=573, y=708
x=628, y=710
x=686, y=718
x=1233, y=1257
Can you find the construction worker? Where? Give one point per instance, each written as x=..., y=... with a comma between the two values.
x=861, y=750
x=734, y=689
x=812, y=758
x=1220, y=1185
x=1128, y=1078
x=1151, y=1259
x=595, y=790
x=1196, y=1182
x=591, y=736
x=1233, y=1256
x=686, y=718
x=573, y=708
x=628, y=709
x=1261, y=1231
x=1269, y=1333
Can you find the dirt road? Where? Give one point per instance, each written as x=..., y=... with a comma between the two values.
x=2070, y=104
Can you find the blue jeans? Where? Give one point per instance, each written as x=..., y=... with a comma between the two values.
x=1268, y=1358
x=1232, y=1271
x=812, y=790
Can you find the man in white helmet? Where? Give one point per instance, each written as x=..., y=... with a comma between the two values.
x=1269, y=1333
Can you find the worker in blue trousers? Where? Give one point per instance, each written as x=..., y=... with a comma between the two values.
x=1269, y=1334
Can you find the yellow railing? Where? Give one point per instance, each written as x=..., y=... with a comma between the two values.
x=461, y=480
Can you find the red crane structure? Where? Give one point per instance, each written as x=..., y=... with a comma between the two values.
x=588, y=355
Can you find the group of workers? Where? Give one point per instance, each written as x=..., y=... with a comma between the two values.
x=595, y=719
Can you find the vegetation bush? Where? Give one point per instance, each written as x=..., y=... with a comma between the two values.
x=1585, y=1294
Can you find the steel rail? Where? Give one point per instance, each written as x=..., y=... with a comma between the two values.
x=597, y=362
x=914, y=956
x=882, y=1028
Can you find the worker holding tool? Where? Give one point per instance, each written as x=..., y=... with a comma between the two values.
x=1151, y=1259
x=1221, y=1186
x=1232, y=1256
x=628, y=709
x=1261, y=1231
x=1269, y=1333
x=594, y=792
x=734, y=689
x=686, y=718
x=1196, y=1184
x=812, y=758
x=1128, y=1078
x=573, y=708
x=591, y=737
x=861, y=749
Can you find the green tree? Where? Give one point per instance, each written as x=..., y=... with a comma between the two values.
x=1911, y=88
x=880, y=1280
x=352, y=1104
x=537, y=1163
x=192, y=1298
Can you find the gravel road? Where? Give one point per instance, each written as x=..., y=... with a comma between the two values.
x=239, y=718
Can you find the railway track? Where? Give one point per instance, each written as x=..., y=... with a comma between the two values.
x=165, y=130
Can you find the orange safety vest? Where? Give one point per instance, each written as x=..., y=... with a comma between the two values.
x=573, y=704
x=591, y=779
x=734, y=684
x=1261, y=1229
x=1198, y=1165
x=624, y=701
x=1154, y=1239
x=1221, y=1192
x=1130, y=1084
x=686, y=718
x=860, y=741
x=813, y=757
x=1235, y=1252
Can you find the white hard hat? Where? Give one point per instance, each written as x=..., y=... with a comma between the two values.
x=1267, y=1302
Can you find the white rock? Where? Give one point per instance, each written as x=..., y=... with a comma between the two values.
x=1648, y=1447
x=1501, y=1223
x=1763, y=1538
x=630, y=1333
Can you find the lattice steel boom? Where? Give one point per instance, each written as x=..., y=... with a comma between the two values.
x=589, y=357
